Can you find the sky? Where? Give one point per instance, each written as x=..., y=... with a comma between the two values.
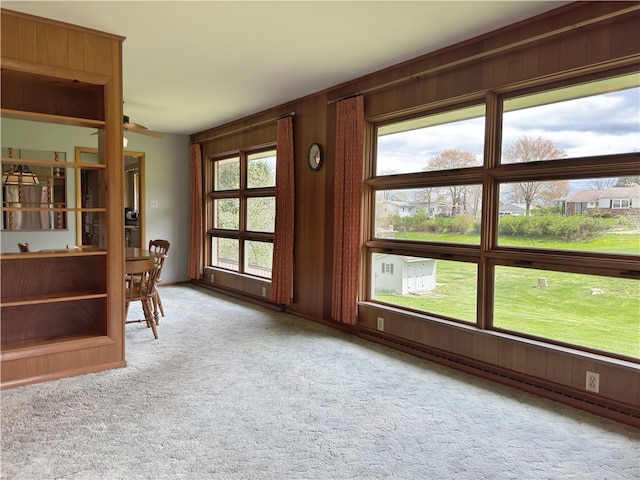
x=596, y=125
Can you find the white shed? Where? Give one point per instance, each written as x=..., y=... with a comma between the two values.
x=402, y=274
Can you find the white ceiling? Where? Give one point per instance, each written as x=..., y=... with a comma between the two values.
x=192, y=65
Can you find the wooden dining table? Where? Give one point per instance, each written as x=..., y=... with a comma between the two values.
x=135, y=253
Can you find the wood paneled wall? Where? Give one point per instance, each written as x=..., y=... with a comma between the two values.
x=459, y=72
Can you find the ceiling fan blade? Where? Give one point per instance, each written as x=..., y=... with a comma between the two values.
x=144, y=131
x=135, y=128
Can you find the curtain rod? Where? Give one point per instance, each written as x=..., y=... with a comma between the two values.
x=344, y=97
x=416, y=76
x=247, y=127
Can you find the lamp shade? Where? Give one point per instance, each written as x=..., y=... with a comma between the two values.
x=19, y=175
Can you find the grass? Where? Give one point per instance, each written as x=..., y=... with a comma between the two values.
x=567, y=311
x=608, y=243
x=454, y=280
x=564, y=311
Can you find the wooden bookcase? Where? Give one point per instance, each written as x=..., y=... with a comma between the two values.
x=62, y=312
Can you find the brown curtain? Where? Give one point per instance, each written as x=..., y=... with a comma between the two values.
x=282, y=271
x=195, y=204
x=346, y=208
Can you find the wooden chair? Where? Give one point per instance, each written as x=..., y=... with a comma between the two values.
x=24, y=247
x=160, y=247
x=141, y=277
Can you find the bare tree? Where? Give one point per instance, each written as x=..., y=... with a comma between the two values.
x=452, y=159
x=475, y=193
x=603, y=183
x=532, y=149
x=554, y=191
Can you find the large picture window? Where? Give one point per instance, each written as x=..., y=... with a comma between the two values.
x=443, y=287
x=447, y=213
x=538, y=236
x=433, y=207
x=582, y=120
x=243, y=209
x=584, y=310
x=432, y=143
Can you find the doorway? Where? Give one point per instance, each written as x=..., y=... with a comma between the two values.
x=134, y=199
x=89, y=196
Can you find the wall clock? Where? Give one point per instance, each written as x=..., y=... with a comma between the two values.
x=314, y=156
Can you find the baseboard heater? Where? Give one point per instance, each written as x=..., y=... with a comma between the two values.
x=620, y=413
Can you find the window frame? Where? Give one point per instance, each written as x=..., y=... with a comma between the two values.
x=243, y=193
x=620, y=203
x=490, y=176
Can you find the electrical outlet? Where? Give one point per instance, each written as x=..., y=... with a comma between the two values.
x=153, y=204
x=381, y=324
x=264, y=291
x=593, y=382
x=211, y=278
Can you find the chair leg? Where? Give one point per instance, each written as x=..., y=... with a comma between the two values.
x=158, y=302
x=147, y=306
x=154, y=304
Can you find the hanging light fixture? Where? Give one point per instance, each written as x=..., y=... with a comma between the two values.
x=19, y=174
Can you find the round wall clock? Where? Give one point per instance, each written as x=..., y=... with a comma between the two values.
x=314, y=156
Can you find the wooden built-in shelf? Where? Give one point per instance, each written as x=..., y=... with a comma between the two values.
x=51, y=163
x=62, y=252
x=50, y=298
x=53, y=209
x=49, y=118
x=62, y=311
x=46, y=345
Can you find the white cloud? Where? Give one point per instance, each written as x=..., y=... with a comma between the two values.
x=598, y=125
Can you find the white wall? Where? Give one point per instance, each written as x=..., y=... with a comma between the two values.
x=167, y=182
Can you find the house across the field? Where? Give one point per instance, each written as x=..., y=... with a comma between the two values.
x=512, y=209
x=618, y=200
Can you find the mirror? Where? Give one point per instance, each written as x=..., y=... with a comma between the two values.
x=34, y=190
x=89, y=196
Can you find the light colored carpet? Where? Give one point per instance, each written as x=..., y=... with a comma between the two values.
x=234, y=391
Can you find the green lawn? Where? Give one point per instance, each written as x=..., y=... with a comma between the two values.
x=609, y=243
x=565, y=310
x=454, y=280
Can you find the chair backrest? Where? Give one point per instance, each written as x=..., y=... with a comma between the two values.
x=24, y=247
x=161, y=247
x=141, y=277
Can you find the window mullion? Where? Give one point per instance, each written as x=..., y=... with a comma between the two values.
x=243, y=211
x=490, y=209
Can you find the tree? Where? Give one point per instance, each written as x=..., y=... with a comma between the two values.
x=628, y=182
x=533, y=149
x=554, y=191
x=261, y=211
x=227, y=174
x=449, y=160
x=603, y=183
